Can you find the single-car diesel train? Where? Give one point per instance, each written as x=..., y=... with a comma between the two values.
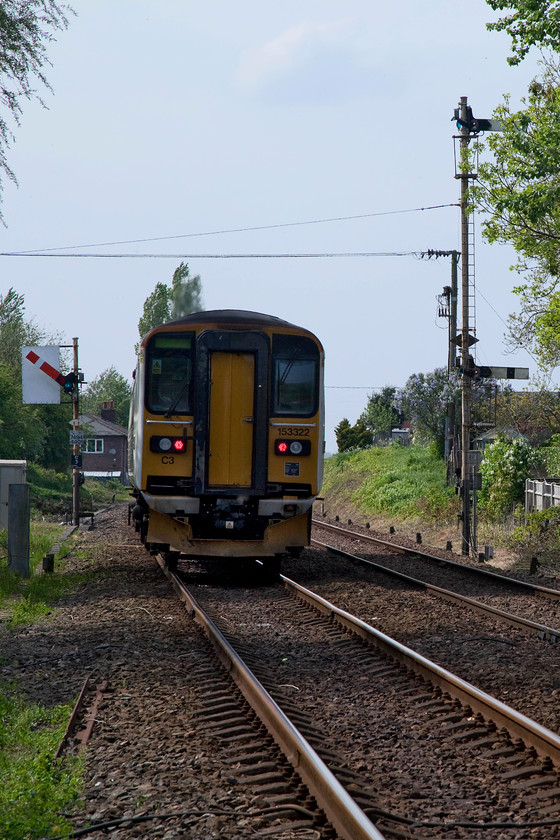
x=226, y=436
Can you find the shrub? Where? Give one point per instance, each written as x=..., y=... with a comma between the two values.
x=505, y=466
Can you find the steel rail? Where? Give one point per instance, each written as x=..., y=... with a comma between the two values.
x=545, y=741
x=545, y=591
x=524, y=624
x=341, y=810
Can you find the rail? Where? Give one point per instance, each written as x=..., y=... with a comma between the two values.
x=340, y=809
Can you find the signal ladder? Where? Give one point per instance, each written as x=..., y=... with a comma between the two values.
x=471, y=273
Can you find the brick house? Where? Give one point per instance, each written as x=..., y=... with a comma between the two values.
x=105, y=445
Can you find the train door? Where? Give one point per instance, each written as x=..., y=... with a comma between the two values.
x=231, y=419
x=231, y=413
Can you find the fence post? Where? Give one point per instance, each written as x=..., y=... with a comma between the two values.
x=18, y=529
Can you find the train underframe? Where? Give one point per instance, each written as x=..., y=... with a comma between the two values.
x=218, y=527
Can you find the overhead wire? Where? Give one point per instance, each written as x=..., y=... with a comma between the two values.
x=237, y=230
x=184, y=256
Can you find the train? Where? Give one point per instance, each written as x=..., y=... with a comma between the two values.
x=226, y=437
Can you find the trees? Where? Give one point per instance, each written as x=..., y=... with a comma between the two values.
x=109, y=385
x=533, y=23
x=519, y=191
x=186, y=292
x=169, y=302
x=33, y=432
x=424, y=400
x=519, y=186
x=348, y=437
x=381, y=415
x=27, y=26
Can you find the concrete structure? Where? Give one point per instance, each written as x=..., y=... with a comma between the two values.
x=11, y=472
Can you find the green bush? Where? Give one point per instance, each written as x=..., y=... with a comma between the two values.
x=505, y=466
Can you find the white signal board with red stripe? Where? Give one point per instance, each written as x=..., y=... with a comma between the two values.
x=41, y=377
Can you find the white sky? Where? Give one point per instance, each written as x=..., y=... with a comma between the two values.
x=179, y=118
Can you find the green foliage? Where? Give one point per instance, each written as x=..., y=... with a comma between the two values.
x=27, y=28
x=109, y=385
x=424, y=400
x=395, y=480
x=186, y=292
x=531, y=23
x=505, y=466
x=97, y=493
x=533, y=413
x=381, y=415
x=156, y=309
x=51, y=492
x=518, y=188
x=35, y=788
x=536, y=534
x=30, y=432
x=348, y=437
x=550, y=453
x=169, y=302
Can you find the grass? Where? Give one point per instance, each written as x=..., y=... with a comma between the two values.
x=35, y=788
x=51, y=492
x=404, y=482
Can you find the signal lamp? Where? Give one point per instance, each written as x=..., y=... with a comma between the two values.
x=70, y=381
x=292, y=447
x=168, y=444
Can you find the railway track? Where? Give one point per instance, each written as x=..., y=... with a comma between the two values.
x=177, y=751
x=488, y=592
x=399, y=727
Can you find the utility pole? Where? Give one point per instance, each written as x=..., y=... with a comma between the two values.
x=466, y=395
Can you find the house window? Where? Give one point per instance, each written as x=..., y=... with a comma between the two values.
x=92, y=445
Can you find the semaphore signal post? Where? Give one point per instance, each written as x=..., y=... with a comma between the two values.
x=42, y=383
x=470, y=127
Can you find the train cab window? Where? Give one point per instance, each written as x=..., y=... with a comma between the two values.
x=169, y=373
x=295, y=376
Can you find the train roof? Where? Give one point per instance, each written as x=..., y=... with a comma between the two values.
x=232, y=316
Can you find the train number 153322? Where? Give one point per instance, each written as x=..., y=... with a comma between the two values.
x=287, y=431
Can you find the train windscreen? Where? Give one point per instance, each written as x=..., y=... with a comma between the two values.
x=295, y=376
x=169, y=369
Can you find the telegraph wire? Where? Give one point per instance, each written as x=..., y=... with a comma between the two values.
x=86, y=255
x=240, y=230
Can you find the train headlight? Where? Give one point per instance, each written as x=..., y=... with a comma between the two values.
x=292, y=447
x=178, y=445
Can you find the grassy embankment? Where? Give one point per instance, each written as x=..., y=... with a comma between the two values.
x=35, y=788
x=403, y=486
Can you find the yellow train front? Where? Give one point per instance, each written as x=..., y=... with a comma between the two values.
x=226, y=436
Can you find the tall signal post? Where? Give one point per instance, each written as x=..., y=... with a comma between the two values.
x=466, y=340
x=469, y=127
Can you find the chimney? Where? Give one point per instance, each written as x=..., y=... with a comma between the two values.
x=108, y=412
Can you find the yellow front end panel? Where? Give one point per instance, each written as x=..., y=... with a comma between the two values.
x=286, y=469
